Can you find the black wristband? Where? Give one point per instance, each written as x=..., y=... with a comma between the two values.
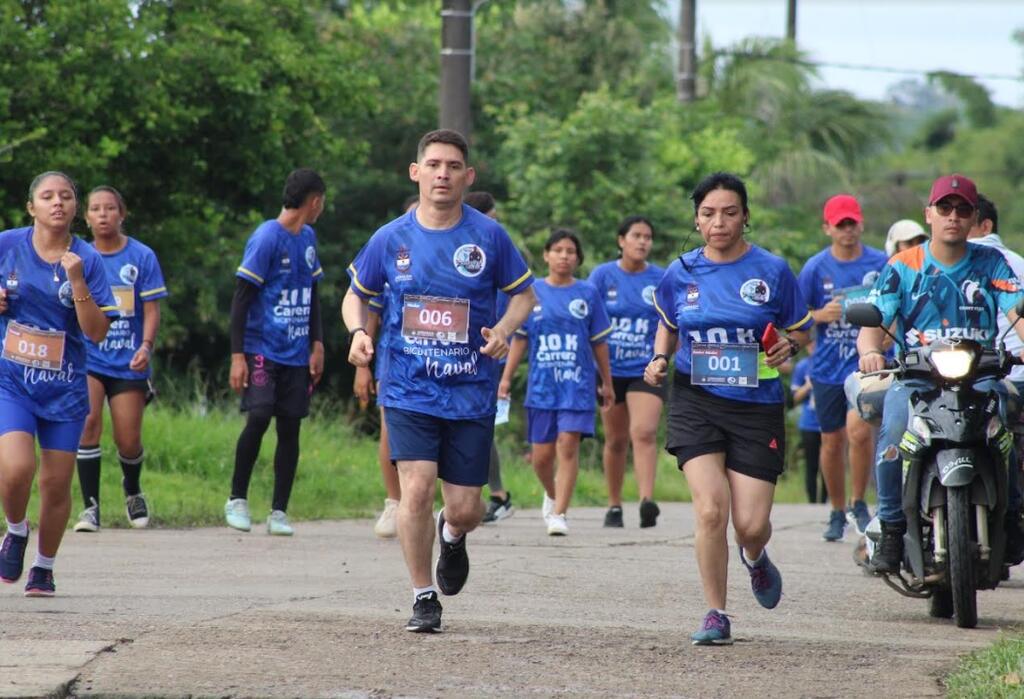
x=353, y=331
x=794, y=347
x=660, y=355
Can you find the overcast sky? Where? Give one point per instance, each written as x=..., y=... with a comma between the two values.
x=966, y=36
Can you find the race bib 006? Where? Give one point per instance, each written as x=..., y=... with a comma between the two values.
x=435, y=318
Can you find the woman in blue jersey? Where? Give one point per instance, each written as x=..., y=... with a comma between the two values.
x=54, y=296
x=726, y=424
x=627, y=287
x=565, y=336
x=118, y=366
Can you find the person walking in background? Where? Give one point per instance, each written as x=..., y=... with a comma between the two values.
x=565, y=340
x=843, y=272
x=627, y=288
x=726, y=421
x=52, y=280
x=903, y=235
x=119, y=366
x=277, y=350
x=801, y=389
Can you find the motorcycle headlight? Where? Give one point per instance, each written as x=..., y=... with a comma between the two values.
x=952, y=363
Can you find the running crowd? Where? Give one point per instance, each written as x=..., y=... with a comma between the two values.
x=444, y=308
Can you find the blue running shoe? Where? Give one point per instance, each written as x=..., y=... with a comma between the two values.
x=715, y=630
x=765, y=580
x=40, y=583
x=12, y=557
x=859, y=516
x=836, y=526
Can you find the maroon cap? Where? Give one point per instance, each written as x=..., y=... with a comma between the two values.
x=953, y=184
x=841, y=207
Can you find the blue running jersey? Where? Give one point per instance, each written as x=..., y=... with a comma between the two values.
x=37, y=304
x=134, y=276
x=378, y=305
x=731, y=302
x=808, y=421
x=439, y=288
x=822, y=278
x=930, y=301
x=561, y=330
x=284, y=265
x=629, y=300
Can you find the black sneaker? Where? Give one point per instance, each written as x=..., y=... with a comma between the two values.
x=613, y=517
x=888, y=555
x=649, y=512
x=498, y=509
x=426, y=614
x=452, y=567
x=1014, y=540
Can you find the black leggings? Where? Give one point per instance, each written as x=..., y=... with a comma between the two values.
x=811, y=444
x=286, y=457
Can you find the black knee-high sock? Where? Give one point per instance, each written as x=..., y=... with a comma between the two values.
x=131, y=468
x=286, y=460
x=89, y=456
x=246, y=451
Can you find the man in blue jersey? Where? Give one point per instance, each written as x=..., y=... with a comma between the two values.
x=944, y=289
x=441, y=263
x=841, y=273
x=277, y=351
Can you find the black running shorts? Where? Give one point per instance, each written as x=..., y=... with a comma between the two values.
x=276, y=390
x=630, y=384
x=751, y=435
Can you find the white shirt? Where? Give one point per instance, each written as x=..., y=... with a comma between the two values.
x=1013, y=342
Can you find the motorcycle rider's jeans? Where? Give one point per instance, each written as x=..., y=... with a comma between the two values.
x=888, y=466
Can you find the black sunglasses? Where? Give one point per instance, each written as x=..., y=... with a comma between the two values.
x=962, y=210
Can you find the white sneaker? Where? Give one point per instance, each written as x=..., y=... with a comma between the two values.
x=236, y=514
x=387, y=524
x=278, y=525
x=548, y=507
x=557, y=526
x=89, y=520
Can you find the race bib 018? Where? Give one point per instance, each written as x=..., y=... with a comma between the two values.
x=39, y=349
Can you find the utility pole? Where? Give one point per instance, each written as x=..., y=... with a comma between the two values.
x=687, y=81
x=791, y=20
x=456, y=64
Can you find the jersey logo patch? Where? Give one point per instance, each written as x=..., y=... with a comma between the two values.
x=12, y=282
x=403, y=259
x=648, y=295
x=692, y=294
x=870, y=278
x=129, y=273
x=755, y=292
x=613, y=293
x=470, y=259
x=310, y=256
x=578, y=308
x=65, y=296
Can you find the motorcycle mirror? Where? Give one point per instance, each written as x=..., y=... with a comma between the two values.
x=865, y=315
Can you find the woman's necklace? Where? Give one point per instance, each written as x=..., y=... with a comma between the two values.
x=56, y=265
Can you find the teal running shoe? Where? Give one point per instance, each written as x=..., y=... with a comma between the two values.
x=236, y=514
x=278, y=524
x=715, y=630
x=765, y=580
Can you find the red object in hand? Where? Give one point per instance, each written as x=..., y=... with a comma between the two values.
x=770, y=338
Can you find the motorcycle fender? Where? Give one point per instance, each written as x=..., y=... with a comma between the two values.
x=956, y=466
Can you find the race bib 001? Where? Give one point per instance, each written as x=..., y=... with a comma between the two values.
x=435, y=318
x=725, y=364
x=39, y=349
x=125, y=297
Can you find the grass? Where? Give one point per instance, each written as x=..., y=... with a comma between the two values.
x=994, y=673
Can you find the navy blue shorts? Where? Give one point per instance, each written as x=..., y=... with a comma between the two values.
x=460, y=448
x=831, y=405
x=543, y=426
x=17, y=416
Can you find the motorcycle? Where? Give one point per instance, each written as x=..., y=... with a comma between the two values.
x=955, y=455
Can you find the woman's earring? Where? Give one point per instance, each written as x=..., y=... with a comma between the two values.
x=746, y=225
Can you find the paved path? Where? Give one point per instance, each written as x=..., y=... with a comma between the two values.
x=212, y=612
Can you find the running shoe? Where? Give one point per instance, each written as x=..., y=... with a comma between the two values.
x=137, y=510
x=452, y=566
x=613, y=517
x=649, y=512
x=715, y=630
x=557, y=526
x=89, y=520
x=548, y=507
x=765, y=580
x=278, y=524
x=859, y=516
x=236, y=514
x=426, y=614
x=12, y=557
x=386, y=526
x=40, y=583
x=836, y=526
x=498, y=509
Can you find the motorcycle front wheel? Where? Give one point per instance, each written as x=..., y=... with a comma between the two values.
x=961, y=562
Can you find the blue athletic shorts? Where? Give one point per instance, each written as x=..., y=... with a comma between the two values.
x=543, y=426
x=831, y=405
x=460, y=448
x=17, y=416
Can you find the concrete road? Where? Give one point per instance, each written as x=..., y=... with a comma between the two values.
x=218, y=613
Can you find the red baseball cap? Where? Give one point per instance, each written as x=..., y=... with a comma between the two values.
x=954, y=184
x=841, y=207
